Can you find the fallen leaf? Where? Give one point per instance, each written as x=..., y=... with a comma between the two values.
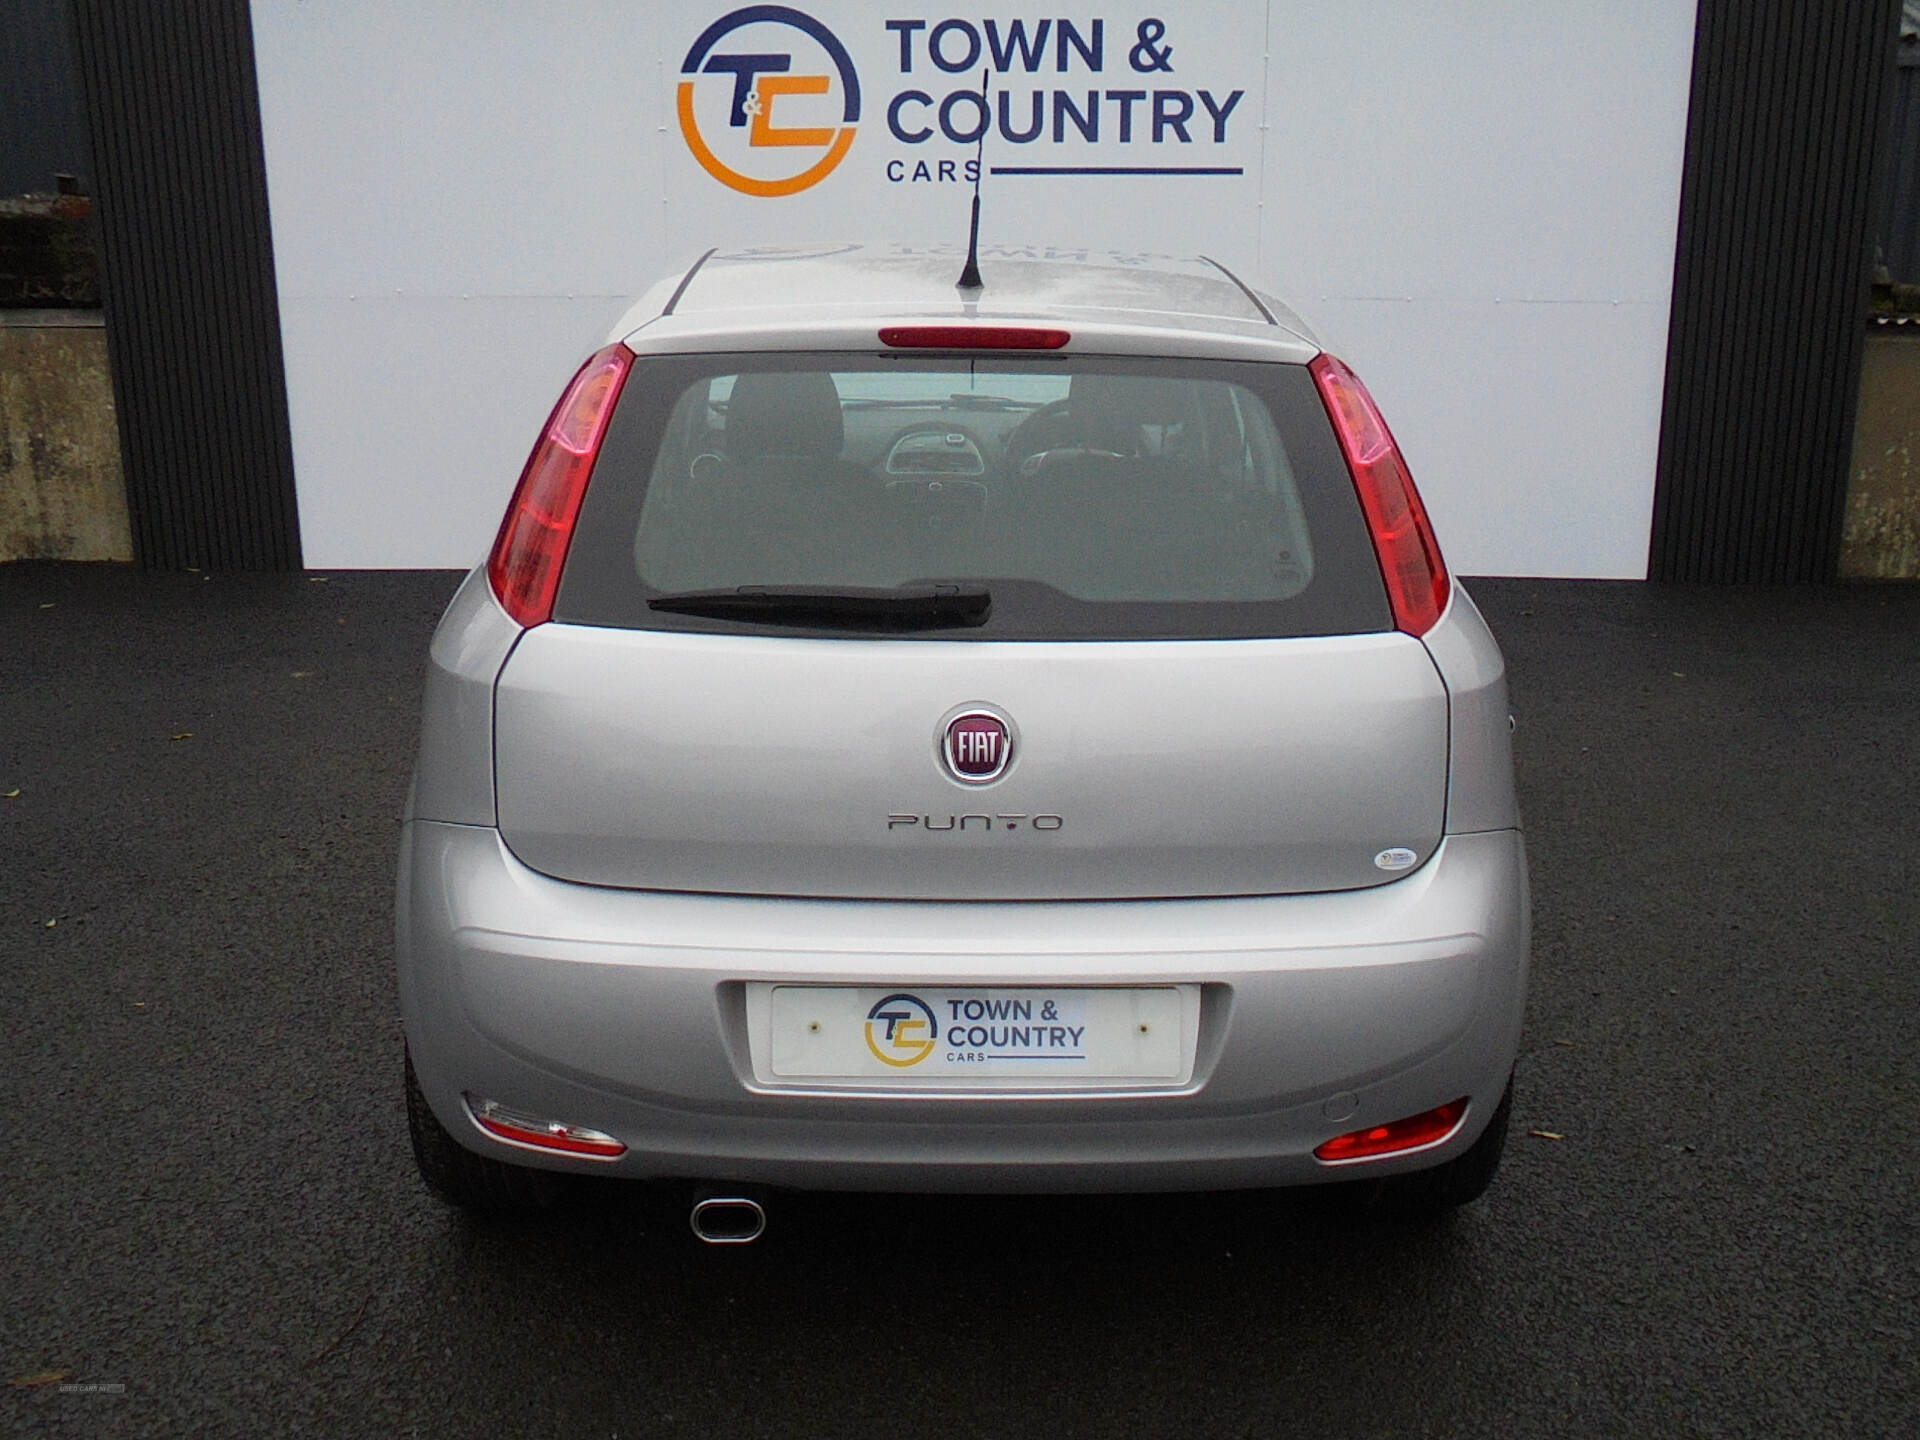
x=303, y=674
x=52, y=923
x=39, y=1378
x=318, y=579
x=11, y=795
x=1547, y=1134
x=1679, y=675
x=358, y=1316
x=1567, y=1043
x=184, y=735
x=139, y=1004
x=48, y=606
x=343, y=620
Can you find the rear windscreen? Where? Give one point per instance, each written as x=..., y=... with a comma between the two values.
x=1095, y=497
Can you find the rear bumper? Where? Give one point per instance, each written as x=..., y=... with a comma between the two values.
x=625, y=1011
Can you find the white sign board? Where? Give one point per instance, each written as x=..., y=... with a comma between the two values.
x=1476, y=203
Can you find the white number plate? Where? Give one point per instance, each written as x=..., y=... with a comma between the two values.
x=935, y=1037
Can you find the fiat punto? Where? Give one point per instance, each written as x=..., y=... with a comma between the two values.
x=1007, y=738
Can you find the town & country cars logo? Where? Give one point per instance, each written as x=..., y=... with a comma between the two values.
x=769, y=100
x=901, y=1030
x=744, y=67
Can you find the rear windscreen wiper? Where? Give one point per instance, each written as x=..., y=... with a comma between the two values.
x=859, y=607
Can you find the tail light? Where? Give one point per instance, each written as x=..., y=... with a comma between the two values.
x=1403, y=540
x=532, y=545
x=519, y=1128
x=1412, y=1133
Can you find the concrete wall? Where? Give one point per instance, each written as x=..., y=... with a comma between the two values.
x=1882, y=536
x=61, y=492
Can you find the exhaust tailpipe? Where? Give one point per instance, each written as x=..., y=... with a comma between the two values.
x=728, y=1219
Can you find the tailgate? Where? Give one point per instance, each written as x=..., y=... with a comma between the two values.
x=812, y=767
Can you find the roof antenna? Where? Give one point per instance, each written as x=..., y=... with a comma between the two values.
x=970, y=276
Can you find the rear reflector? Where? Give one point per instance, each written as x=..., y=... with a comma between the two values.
x=1402, y=536
x=972, y=337
x=505, y=1124
x=1408, y=1134
x=531, y=548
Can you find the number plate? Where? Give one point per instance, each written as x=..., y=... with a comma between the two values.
x=937, y=1037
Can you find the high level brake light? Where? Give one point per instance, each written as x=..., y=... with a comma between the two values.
x=972, y=337
x=532, y=544
x=1403, y=540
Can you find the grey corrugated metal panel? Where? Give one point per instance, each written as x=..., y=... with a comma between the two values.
x=132, y=242
x=1760, y=263
x=1817, y=511
x=1852, y=263
x=1699, y=341
x=1859, y=186
x=1770, y=276
x=187, y=276
x=1797, y=341
x=262, y=307
x=1802, y=348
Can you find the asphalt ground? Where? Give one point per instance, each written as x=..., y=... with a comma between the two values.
x=1706, y=1224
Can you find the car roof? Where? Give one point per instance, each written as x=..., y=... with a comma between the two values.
x=834, y=296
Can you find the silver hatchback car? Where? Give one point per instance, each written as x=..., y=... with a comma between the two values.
x=906, y=737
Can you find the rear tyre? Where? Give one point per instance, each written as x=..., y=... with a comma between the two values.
x=477, y=1184
x=1430, y=1194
